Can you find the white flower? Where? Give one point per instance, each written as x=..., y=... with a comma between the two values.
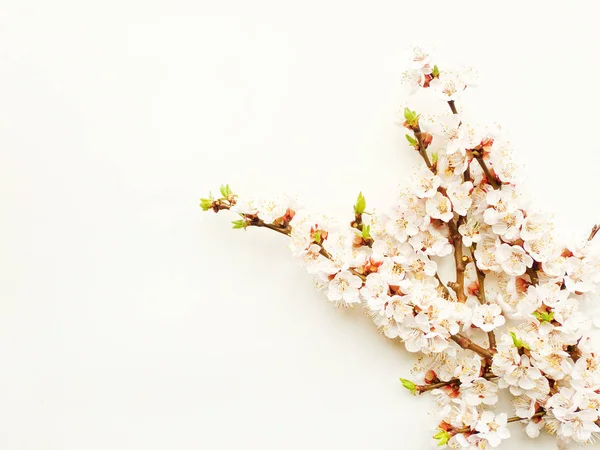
x=375, y=292
x=439, y=207
x=492, y=427
x=486, y=254
x=459, y=194
x=524, y=406
x=505, y=224
x=270, y=210
x=448, y=85
x=302, y=224
x=533, y=428
x=534, y=226
x=245, y=206
x=579, y=425
x=467, y=367
x=566, y=312
x=425, y=183
x=522, y=376
x=432, y=243
x=413, y=80
x=513, y=259
x=488, y=317
x=480, y=391
x=316, y=263
x=579, y=276
x=555, y=265
x=412, y=334
x=470, y=232
x=344, y=287
x=402, y=224
x=392, y=272
x=555, y=365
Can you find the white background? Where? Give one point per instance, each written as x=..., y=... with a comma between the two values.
x=129, y=319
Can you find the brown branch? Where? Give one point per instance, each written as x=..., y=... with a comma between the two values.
x=443, y=286
x=468, y=344
x=533, y=275
x=452, y=106
x=422, y=149
x=460, y=260
x=481, y=293
x=429, y=387
x=491, y=179
x=286, y=230
x=595, y=230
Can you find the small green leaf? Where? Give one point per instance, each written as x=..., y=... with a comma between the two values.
x=412, y=118
x=317, y=236
x=412, y=387
x=518, y=342
x=442, y=437
x=206, y=203
x=237, y=224
x=544, y=316
x=361, y=204
x=434, y=158
x=411, y=140
x=366, y=229
x=435, y=72
x=225, y=191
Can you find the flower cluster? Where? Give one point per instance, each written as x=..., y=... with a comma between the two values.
x=510, y=321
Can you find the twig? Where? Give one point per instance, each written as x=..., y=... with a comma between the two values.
x=459, y=260
x=533, y=275
x=491, y=179
x=595, y=230
x=481, y=293
x=422, y=148
x=444, y=287
x=468, y=344
x=429, y=387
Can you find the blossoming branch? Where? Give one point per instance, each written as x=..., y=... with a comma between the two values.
x=511, y=318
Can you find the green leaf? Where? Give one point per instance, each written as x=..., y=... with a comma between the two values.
x=435, y=72
x=544, y=316
x=412, y=387
x=361, y=204
x=412, y=118
x=366, y=229
x=434, y=158
x=518, y=342
x=206, y=203
x=411, y=140
x=442, y=437
x=317, y=236
x=237, y=224
x=225, y=191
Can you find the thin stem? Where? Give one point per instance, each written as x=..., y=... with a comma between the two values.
x=491, y=179
x=444, y=287
x=533, y=275
x=595, y=230
x=285, y=230
x=452, y=106
x=422, y=148
x=430, y=387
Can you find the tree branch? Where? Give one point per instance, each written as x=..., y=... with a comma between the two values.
x=429, y=387
x=468, y=344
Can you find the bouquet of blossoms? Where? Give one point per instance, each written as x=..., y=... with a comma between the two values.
x=510, y=319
